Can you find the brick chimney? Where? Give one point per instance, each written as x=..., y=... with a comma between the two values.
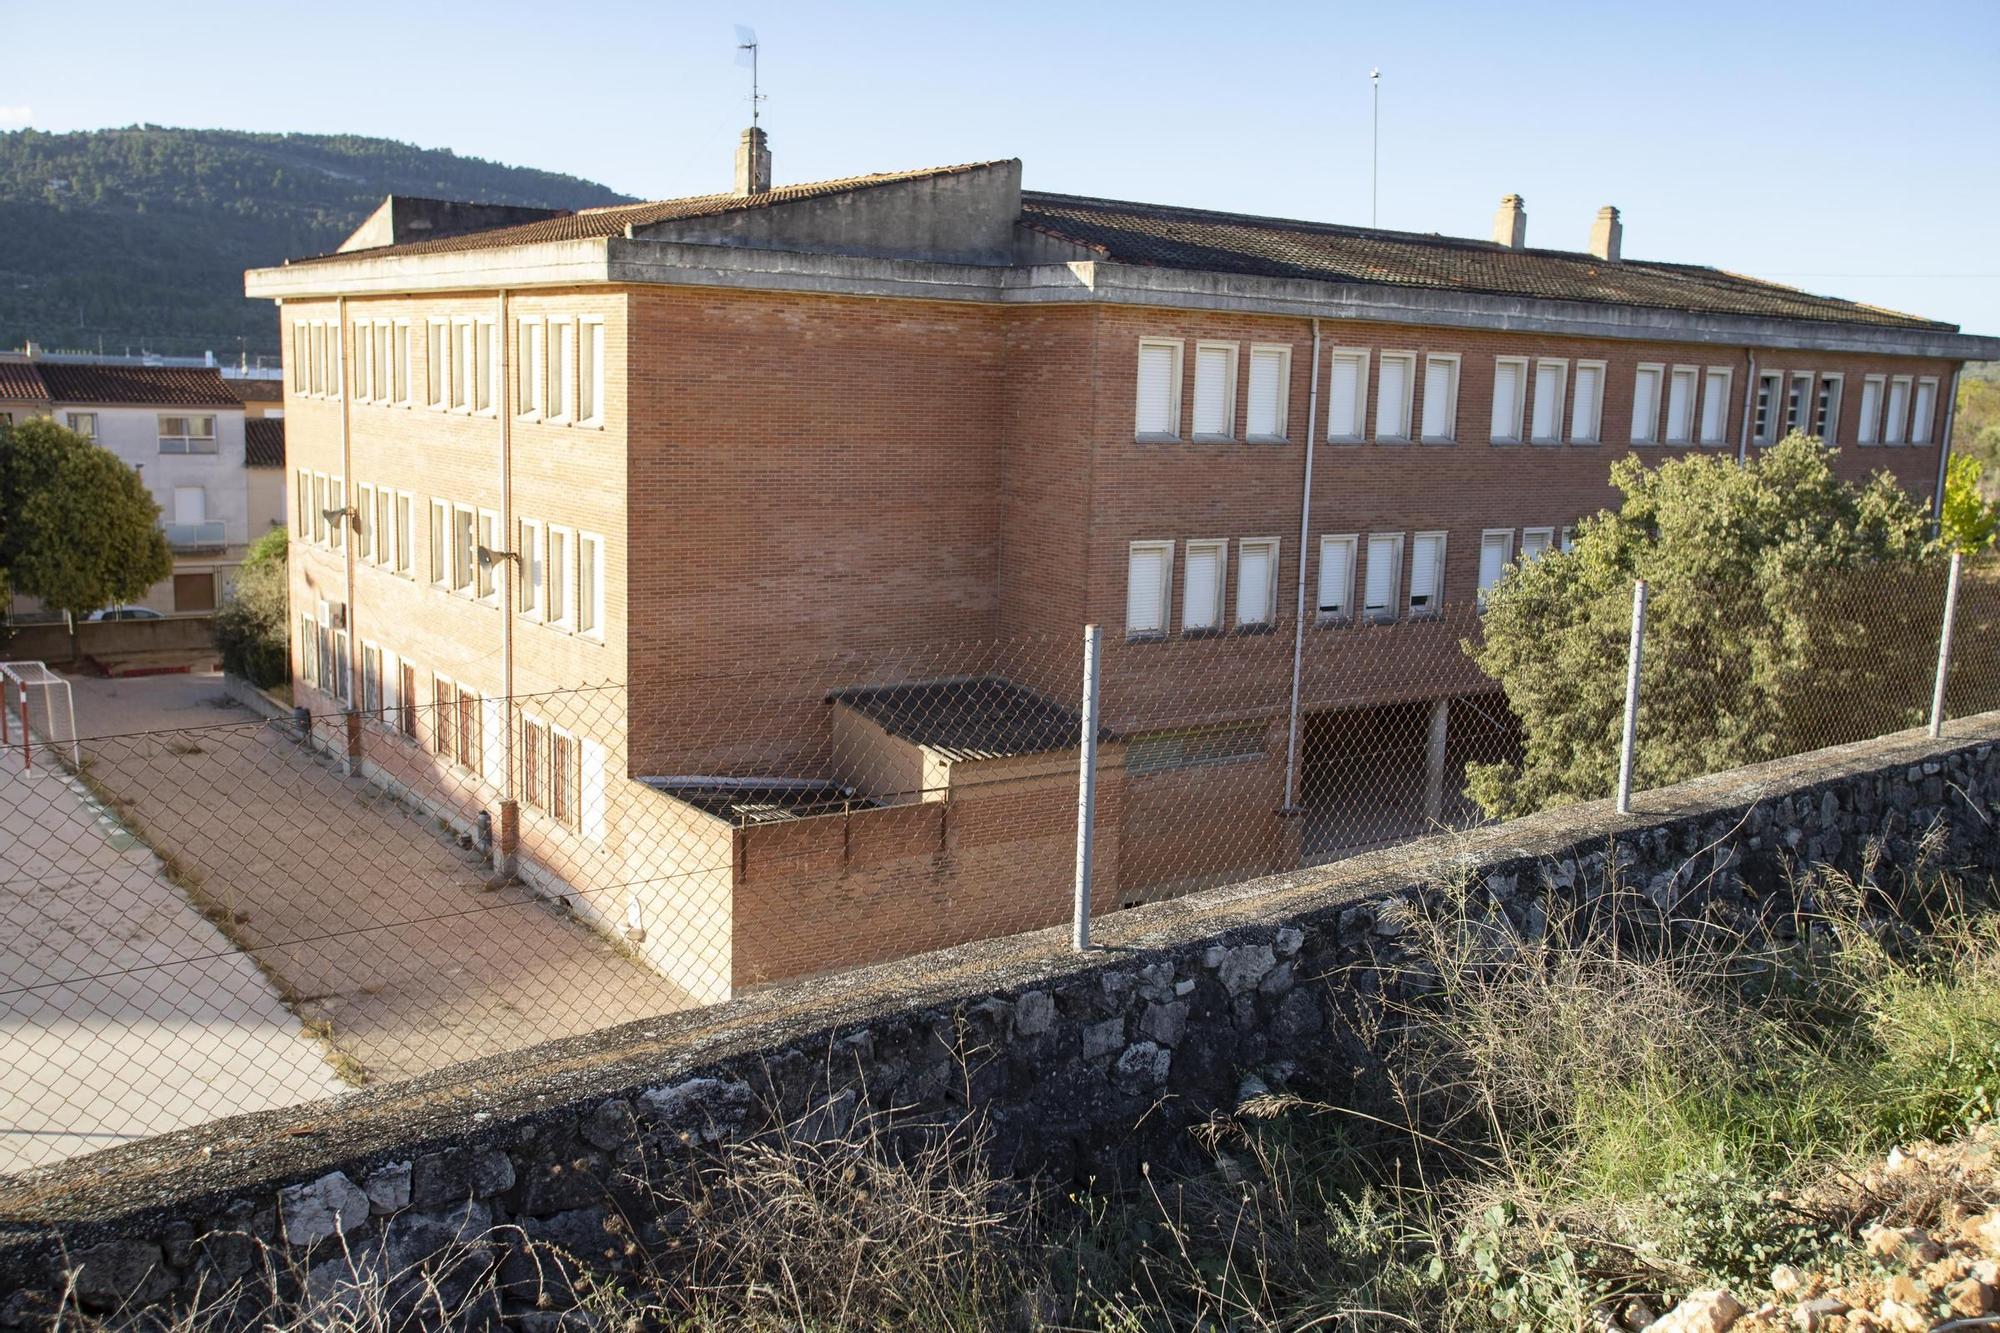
x=753, y=163
x=1510, y=224
x=1607, y=234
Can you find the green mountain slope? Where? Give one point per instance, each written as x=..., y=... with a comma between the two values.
x=138, y=238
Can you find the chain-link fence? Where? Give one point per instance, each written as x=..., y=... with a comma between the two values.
x=404, y=871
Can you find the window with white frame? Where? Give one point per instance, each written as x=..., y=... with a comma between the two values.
x=1382, y=577
x=1715, y=406
x=1158, y=413
x=1256, y=581
x=528, y=542
x=440, y=543
x=1496, y=549
x=364, y=528
x=308, y=650
x=363, y=344
x=337, y=530
x=1764, y=420
x=321, y=493
x=1895, y=429
x=1347, y=396
x=1923, y=406
x=1148, y=576
x=1440, y=423
x=405, y=701
x=371, y=678
x=561, y=398
x=1682, y=387
x=565, y=779
x=400, y=363
x=1826, y=408
x=1535, y=542
x=301, y=355
x=1568, y=540
x=1546, y=411
x=1206, y=564
x=437, y=363
x=1646, y=404
x=530, y=366
x=1868, y=426
x=180, y=434
x=82, y=423
x=1798, y=403
x=302, y=505
x=1336, y=577
x=1395, y=385
x=1510, y=380
x=385, y=527
x=1214, y=391
x=1270, y=394
x=488, y=571
x=556, y=589
x=1426, y=573
x=590, y=372
x=1586, y=412
x=464, y=560
x=589, y=584
x=406, y=534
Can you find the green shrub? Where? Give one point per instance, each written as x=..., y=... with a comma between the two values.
x=253, y=625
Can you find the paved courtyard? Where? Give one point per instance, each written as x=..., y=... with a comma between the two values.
x=373, y=925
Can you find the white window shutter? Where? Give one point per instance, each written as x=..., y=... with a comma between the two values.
x=1253, y=583
x=1336, y=576
x=1156, y=388
x=1920, y=416
x=1202, y=598
x=1344, y=416
x=1548, y=403
x=1645, y=403
x=1506, y=400
x=1871, y=412
x=1381, y=572
x=1492, y=560
x=1680, y=407
x=1588, y=404
x=1267, y=394
x=1213, y=409
x=1899, y=411
x=1424, y=570
x=1714, y=407
x=1392, y=392
x=1145, y=611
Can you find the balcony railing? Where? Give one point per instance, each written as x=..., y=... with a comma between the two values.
x=195, y=536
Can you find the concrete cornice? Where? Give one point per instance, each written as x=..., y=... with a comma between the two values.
x=626, y=260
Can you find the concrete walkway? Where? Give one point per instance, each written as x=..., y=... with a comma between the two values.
x=123, y=1013
x=372, y=920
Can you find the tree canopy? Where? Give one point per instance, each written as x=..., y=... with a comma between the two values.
x=253, y=626
x=1785, y=605
x=78, y=528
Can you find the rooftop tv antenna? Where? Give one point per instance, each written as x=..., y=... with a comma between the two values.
x=746, y=54
x=1375, y=163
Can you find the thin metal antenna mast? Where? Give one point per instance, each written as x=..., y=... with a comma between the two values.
x=1375, y=163
x=746, y=40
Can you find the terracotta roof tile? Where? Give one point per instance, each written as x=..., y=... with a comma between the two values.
x=146, y=386
x=21, y=381
x=264, y=442
x=256, y=391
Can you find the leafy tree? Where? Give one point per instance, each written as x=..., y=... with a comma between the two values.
x=1969, y=519
x=1785, y=608
x=78, y=528
x=1975, y=422
x=253, y=626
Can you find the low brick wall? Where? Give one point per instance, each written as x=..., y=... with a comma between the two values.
x=1082, y=1064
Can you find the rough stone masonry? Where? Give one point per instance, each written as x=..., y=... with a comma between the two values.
x=1082, y=1064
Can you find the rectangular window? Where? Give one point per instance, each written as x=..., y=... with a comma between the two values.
x=440, y=548
x=565, y=779
x=190, y=504
x=528, y=542
x=1159, y=404
x=556, y=590
x=84, y=424
x=589, y=584
x=1764, y=428
x=1347, y=400
x=1895, y=429
x=483, y=347
x=1383, y=575
x=402, y=363
x=488, y=581
x=1426, y=573
x=1535, y=542
x=343, y=668
x=317, y=357
x=1510, y=378
x=1545, y=422
x=437, y=338
x=1868, y=430
x=183, y=434
x=301, y=353
x=308, y=650
x=371, y=679
x=1194, y=747
x=471, y=732
x=464, y=561
x=1680, y=404
x=322, y=494
x=364, y=529
x=1496, y=549
x=364, y=353
x=1798, y=402
x=1336, y=577
x=562, y=369
x=463, y=349
x=1646, y=404
x=444, y=717
x=1440, y=424
x=1214, y=391
x=385, y=527
x=1257, y=581
x=1270, y=393
x=1568, y=540
x=1586, y=412
x=1201, y=586
x=530, y=375
x=406, y=699
x=590, y=372
x=534, y=745
x=302, y=502
x=1395, y=382
x=1148, y=579
x=1826, y=409
x=1923, y=405
x=1715, y=406
x=337, y=493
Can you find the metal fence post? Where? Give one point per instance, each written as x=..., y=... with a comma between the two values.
x=1944, y=648
x=1086, y=787
x=1632, y=697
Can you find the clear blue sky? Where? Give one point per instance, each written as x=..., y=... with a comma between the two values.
x=1848, y=148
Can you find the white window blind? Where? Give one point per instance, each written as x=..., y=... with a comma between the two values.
x=1268, y=367
x=1385, y=554
x=1201, y=590
x=1146, y=587
x=1586, y=411
x=1440, y=398
x=1536, y=541
x=190, y=504
x=1715, y=407
x=1646, y=405
x=1256, y=578
x=1680, y=405
x=1427, y=571
x=1507, y=400
x=1546, y=428
x=1336, y=576
x=1495, y=549
x=1868, y=429
x=1920, y=414
x=1214, y=399
x=1159, y=409
x=1392, y=399
x=1346, y=405
x=1899, y=412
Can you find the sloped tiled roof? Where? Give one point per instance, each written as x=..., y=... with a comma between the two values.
x=591, y=223
x=21, y=381
x=982, y=718
x=256, y=391
x=264, y=442
x=1189, y=238
x=145, y=386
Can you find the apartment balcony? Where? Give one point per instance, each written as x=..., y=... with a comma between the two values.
x=196, y=536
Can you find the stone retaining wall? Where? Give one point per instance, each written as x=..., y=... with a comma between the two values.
x=1081, y=1064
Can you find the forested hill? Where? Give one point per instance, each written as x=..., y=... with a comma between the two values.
x=137, y=238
